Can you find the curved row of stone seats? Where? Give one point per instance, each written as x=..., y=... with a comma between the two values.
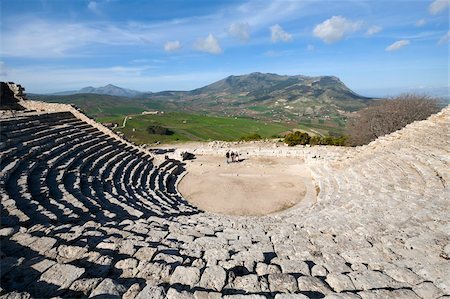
x=372, y=233
x=56, y=156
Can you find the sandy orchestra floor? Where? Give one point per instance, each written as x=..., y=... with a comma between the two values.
x=254, y=186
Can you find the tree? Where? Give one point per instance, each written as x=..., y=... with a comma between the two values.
x=388, y=116
x=158, y=130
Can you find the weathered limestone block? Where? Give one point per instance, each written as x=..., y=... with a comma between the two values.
x=264, y=269
x=151, y=292
x=127, y=267
x=292, y=266
x=248, y=283
x=427, y=290
x=154, y=272
x=402, y=274
x=108, y=288
x=61, y=275
x=168, y=258
x=67, y=254
x=340, y=282
x=213, y=278
x=129, y=263
x=127, y=247
x=175, y=294
x=397, y=294
x=366, y=280
x=132, y=291
x=207, y=295
x=282, y=282
x=314, y=284
x=335, y=263
x=145, y=253
x=43, y=245
x=318, y=270
x=186, y=276
x=211, y=256
x=85, y=285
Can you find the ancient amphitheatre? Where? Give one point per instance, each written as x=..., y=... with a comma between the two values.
x=87, y=214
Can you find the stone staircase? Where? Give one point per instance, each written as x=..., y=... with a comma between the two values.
x=87, y=215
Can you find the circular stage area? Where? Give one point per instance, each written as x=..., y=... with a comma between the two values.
x=253, y=187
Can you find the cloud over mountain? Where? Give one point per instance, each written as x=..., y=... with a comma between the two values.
x=241, y=31
x=278, y=34
x=210, y=44
x=335, y=28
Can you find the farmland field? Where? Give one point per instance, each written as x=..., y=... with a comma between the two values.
x=192, y=127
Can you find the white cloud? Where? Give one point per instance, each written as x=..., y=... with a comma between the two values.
x=335, y=29
x=443, y=40
x=278, y=34
x=240, y=31
x=93, y=6
x=372, y=30
x=210, y=44
x=421, y=22
x=172, y=46
x=398, y=45
x=60, y=39
x=437, y=6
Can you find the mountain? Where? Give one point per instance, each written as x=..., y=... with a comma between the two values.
x=270, y=96
x=257, y=95
x=109, y=89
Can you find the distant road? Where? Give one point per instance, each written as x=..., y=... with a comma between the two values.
x=124, y=121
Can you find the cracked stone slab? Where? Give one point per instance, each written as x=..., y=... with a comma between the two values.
x=145, y=253
x=292, y=266
x=339, y=282
x=57, y=277
x=85, y=285
x=108, y=288
x=427, y=290
x=151, y=292
x=185, y=275
x=366, y=280
x=282, y=282
x=207, y=295
x=67, y=254
x=175, y=294
x=397, y=294
x=213, y=278
x=247, y=283
x=312, y=284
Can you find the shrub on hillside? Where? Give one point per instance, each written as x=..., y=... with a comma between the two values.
x=388, y=116
x=328, y=140
x=158, y=130
x=251, y=137
x=297, y=138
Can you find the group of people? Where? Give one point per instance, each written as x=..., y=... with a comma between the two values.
x=234, y=156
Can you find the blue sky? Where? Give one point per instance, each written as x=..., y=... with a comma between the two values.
x=375, y=47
